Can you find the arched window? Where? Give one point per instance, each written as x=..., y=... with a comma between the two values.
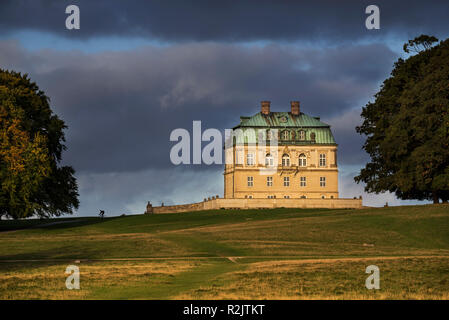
x=269, y=160
x=302, y=135
x=285, y=135
x=302, y=160
x=285, y=160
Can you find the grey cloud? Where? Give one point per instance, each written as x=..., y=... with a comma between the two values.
x=206, y=20
x=121, y=106
x=350, y=142
x=349, y=189
x=128, y=193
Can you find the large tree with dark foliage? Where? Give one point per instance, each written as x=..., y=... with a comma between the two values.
x=407, y=126
x=31, y=145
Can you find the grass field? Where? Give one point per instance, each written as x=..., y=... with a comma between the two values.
x=231, y=254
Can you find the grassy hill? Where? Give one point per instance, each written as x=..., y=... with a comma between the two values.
x=231, y=254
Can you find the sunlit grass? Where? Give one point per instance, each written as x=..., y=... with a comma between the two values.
x=232, y=254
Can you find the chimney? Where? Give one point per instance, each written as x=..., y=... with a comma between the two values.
x=265, y=107
x=295, y=108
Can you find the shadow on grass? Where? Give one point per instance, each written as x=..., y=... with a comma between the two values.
x=50, y=224
x=56, y=253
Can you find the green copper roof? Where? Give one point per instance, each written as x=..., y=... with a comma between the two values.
x=294, y=124
x=280, y=119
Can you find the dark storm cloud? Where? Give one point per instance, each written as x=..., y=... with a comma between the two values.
x=350, y=143
x=121, y=106
x=128, y=192
x=328, y=20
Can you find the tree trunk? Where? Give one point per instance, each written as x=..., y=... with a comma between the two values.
x=435, y=198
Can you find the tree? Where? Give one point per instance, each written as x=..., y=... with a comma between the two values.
x=31, y=146
x=420, y=43
x=407, y=127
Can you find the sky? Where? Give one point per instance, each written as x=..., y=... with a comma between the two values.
x=137, y=70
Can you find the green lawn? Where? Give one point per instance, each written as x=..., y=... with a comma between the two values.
x=233, y=254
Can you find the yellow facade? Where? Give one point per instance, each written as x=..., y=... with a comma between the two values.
x=256, y=181
x=301, y=164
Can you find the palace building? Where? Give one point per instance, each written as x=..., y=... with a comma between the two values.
x=302, y=164
x=276, y=160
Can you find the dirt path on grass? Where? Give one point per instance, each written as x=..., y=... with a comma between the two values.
x=235, y=259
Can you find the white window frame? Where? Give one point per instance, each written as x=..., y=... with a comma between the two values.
x=250, y=159
x=302, y=181
x=269, y=181
x=285, y=135
x=286, y=197
x=302, y=135
x=322, y=159
x=285, y=160
x=269, y=160
x=286, y=181
x=250, y=181
x=322, y=181
x=302, y=160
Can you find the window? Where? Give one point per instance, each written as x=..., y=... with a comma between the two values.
x=271, y=197
x=332, y=197
x=312, y=136
x=250, y=181
x=322, y=181
x=303, y=197
x=286, y=197
x=250, y=197
x=286, y=181
x=285, y=135
x=302, y=160
x=285, y=160
x=269, y=181
x=323, y=197
x=239, y=159
x=269, y=161
x=302, y=181
x=302, y=135
x=322, y=160
x=269, y=135
x=250, y=159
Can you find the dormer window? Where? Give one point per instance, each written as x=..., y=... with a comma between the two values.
x=285, y=135
x=302, y=135
x=269, y=135
x=312, y=136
